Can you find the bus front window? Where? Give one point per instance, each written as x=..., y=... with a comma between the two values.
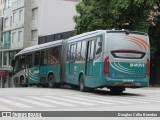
x=19, y=64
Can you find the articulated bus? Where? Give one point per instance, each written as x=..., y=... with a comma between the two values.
x=115, y=59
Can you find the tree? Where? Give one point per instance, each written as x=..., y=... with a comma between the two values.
x=108, y=14
x=154, y=28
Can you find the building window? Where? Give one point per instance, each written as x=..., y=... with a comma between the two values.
x=11, y=21
x=1, y=12
x=6, y=22
x=20, y=36
x=14, y=17
x=5, y=55
x=34, y=35
x=6, y=40
x=20, y=15
x=13, y=37
x=34, y=13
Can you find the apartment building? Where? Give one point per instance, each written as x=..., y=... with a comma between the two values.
x=58, y=14
x=26, y=22
x=2, y=3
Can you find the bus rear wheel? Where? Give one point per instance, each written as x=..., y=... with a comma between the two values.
x=81, y=84
x=117, y=89
x=51, y=82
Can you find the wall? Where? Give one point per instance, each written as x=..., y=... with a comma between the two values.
x=56, y=16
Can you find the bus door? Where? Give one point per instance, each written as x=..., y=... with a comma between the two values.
x=43, y=66
x=29, y=65
x=90, y=57
x=35, y=68
x=72, y=67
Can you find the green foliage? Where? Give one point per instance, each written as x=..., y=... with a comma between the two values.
x=108, y=14
x=155, y=36
x=126, y=14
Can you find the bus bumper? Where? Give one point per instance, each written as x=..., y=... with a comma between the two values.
x=130, y=83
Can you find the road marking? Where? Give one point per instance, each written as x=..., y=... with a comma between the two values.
x=145, y=99
x=88, y=100
x=72, y=101
x=20, y=105
x=32, y=102
x=104, y=99
x=53, y=101
x=129, y=100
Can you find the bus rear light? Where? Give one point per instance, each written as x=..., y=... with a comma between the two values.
x=106, y=66
x=148, y=68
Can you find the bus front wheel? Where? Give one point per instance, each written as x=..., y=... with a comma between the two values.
x=22, y=83
x=81, y=84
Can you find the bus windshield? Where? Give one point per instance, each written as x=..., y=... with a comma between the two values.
x=19, y=63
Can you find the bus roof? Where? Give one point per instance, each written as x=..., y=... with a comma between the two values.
x=40, y=47
x=86, y=34
x=104, y=31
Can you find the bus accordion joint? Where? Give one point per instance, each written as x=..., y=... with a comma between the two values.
x=106, y=66
x=148, y=68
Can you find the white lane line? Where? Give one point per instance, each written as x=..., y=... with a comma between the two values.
x=110, y=100
x=72, y=101
x=53, y=101
x=130, y=100
x=144, y=99
x=32, y=102
x=88, y=100
x=13, y=103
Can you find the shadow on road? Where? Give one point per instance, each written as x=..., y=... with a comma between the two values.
x=108, y=93
x=105, y=92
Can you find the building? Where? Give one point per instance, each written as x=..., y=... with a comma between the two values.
x=29, y=22
x=59, y=16
x=2, y=4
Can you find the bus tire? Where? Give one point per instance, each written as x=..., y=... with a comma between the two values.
x=51, y=83
x=22, y=84
x=117, y=89
x=82, y=87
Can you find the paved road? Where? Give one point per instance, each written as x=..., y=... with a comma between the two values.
x=45, y=99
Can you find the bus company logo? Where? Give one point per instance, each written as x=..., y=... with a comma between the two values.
x=137, y=65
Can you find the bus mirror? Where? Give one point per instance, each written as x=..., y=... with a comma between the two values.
x=13, y=63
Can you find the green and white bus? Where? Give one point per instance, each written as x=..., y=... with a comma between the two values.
x=115, y=59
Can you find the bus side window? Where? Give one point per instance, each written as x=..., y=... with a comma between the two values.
x=73, y=52
x=22, y=62
x=83, y=51
x=78, y=53
x=36, y=58
x=43, y=58
x=29, y=61
x=98, y=46
x=68, y=52
x=91, y=50
x=55, y=55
